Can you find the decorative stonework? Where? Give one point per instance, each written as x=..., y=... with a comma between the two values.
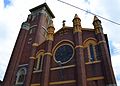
x=77, y=24
x=39, y=61
x=35, y=44
x=32, y=57
x=25, y=26
x=97, y=25
x=50, y=32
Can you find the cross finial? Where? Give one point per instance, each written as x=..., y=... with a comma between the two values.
x=64, y=23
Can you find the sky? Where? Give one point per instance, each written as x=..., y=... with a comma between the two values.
x=14, y=12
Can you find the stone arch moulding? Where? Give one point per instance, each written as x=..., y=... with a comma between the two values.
x=62, y=42
x=89, y=41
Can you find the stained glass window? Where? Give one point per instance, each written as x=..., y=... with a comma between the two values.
x=20, y=77
x=92, y=55
x=63, y=53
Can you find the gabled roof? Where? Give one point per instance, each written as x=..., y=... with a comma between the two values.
x=43, y=5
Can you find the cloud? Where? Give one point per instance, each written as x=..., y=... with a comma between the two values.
x=87, y=1
x=114, y=48
x=112, y=12
x=6, y=3
x=116, y=67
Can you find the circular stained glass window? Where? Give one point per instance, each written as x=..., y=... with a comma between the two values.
x=64, y=53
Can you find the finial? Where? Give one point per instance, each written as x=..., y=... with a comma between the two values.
x=64, y=23
x=95, y=18
x=76, y=16
x=97, y=25
x=77, y=24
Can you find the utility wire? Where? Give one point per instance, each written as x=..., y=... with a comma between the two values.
x=90, y=12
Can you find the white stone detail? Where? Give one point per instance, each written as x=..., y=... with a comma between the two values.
x=25, y=26
x=33, y=26
x=22, y=65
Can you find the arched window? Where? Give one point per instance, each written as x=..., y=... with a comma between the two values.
x=90, y=44
x=92, y=52
x=20, y=77
x=39, y=61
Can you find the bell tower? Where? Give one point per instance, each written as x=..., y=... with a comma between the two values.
x=32, y=33
x=39, y=19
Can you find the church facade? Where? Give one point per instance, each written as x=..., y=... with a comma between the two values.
x=72, y=56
